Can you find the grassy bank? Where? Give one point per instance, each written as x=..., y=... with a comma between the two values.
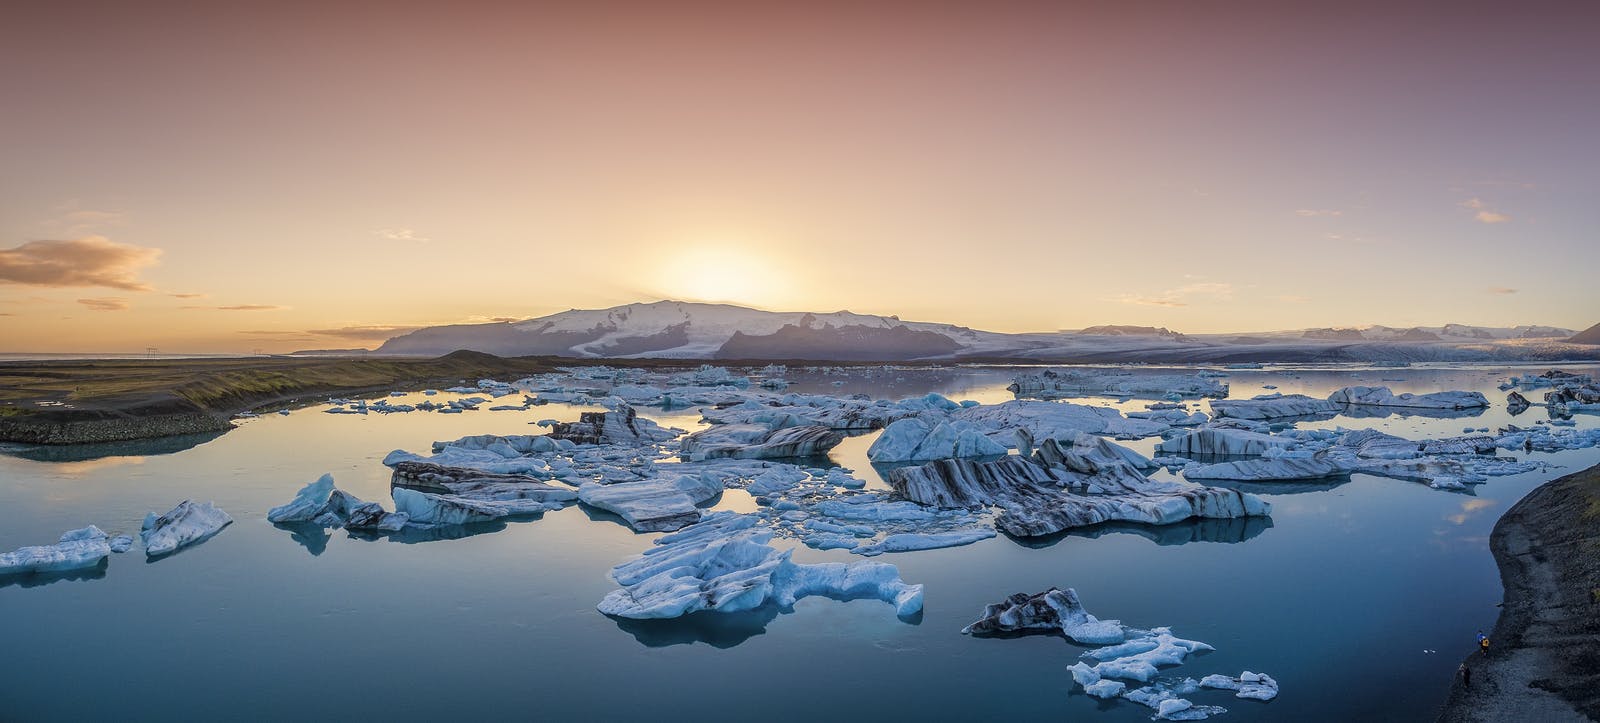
x=70, y=402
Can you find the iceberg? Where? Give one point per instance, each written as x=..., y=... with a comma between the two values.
x=754, y=441
x=911, y=541
x=1054, y=420
x=76, y=549
x=1382, y=397
x=187, y=524
x=724, y=564
x=620, y=425
x=1056, y=383
x=664, y=503
x=1272, y=406
x=915, y=438
x=1053, y=609
x=1059, y=489
x=1222, y=441
x=426, y=509
x=1254, y=686
x=1268, y=469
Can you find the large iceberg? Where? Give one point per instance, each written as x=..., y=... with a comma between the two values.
x=188, y=523
x=1059, y=489
x=1054, y=420
x=665, y=503
x=1273, y=406
x=620, y=425
x=724, y=563
x=1382, y=397
x=1222, y=441
x=77, y=549
x=756, y=441
x=1056, y=383
x=916, y=438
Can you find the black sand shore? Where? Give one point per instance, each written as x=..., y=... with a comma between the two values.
x=1544, y=659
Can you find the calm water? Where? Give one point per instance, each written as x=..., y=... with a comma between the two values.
x=1338, y=598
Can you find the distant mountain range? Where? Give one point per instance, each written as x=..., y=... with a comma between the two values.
x=684, y=330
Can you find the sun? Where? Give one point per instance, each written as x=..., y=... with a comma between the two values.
x=721, y=273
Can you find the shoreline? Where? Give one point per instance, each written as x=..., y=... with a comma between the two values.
x=1543, y=663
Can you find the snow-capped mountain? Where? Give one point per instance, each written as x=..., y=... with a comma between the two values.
x=684, y=330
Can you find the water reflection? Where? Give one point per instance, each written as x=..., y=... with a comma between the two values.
x=37, y=579
x=1230, y=530
x=721, y=629
x=90, y=452
x=1368, y=411
x=310, y=535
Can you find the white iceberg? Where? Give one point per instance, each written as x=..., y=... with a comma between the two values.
x=1272, y=406
x=1254, y=686
x=1382, y=397
x=187, y=524
x=724, y=564
x=911, y=541
x=664, y=503
x=916, y=438
x=76, y=549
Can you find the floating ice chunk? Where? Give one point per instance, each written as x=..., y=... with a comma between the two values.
x=664, y=503
x=1054, y=420
x=1255, y=686
x=1268, y=469
x=915, y=438
x=308, y=503
x=1217, y=441
x=831, y=541
x=436, y=510
x=724, y=564
x=77, y=549
x=187, y=524
x=1143, y=665
x=1061, y=489
x=1382, y=397
x=1056, y=383
x=620, y=425
x=1105, y=689
x=1272, y=406
x=1053, y=609
x=755, y=441
x=121, y=543
x=910, y=541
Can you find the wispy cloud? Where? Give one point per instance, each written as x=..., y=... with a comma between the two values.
x=1482, y=212
x=75, y=221
x=1502, y=290
x=401, y=234
x=105, y=303
x=187, y=296
x=240, y=307
x=1182, y=295
x=1317, y=212
x=87, y=261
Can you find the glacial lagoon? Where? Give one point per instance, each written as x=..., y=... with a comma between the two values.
x=1359, y=597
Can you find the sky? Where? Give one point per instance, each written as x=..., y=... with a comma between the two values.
x=233, y=177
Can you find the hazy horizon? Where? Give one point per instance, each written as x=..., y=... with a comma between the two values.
x=307, y=175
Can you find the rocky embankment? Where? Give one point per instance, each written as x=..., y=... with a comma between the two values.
x=1544, y=661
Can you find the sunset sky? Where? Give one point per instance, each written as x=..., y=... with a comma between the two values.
x=211, y=177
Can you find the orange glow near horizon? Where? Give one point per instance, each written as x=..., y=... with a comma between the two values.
x=333, y=173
